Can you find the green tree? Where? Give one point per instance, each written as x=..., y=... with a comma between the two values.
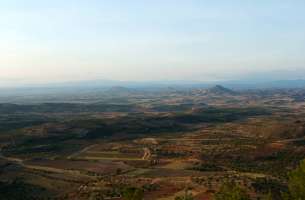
x=296, y=183
x=186, y=196
x=230, y=191
x=132, y=193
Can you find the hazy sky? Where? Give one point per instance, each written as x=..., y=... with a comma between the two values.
x=60, y=40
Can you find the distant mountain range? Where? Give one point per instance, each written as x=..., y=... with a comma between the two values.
x=104, y=85
x=276, y=84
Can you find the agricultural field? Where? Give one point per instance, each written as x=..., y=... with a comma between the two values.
x=162, y=143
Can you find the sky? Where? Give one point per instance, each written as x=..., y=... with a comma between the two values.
x=54, y=41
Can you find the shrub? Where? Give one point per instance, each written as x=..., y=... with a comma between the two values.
x=296, y=183
x=230, y=191
x=132, y=194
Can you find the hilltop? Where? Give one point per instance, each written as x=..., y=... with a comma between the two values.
x=220, y=90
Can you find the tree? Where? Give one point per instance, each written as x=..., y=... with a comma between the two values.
x=132, y=193
x=230, y=191
x=187, y=196
x=296, y=183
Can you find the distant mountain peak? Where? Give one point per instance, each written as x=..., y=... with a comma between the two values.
x=219, y=89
